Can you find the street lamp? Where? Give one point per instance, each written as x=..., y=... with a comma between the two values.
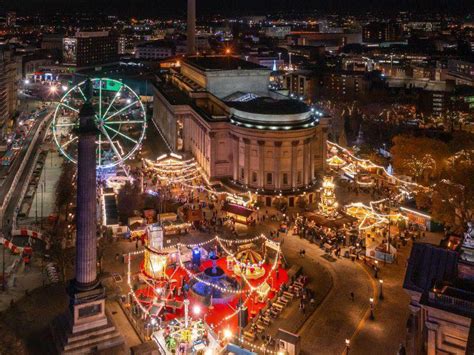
x=381, y=289
x=196, y=310
x=348, y=343
x=227, y=333
x=186, y=314
x=376, y=273
x=371, y=300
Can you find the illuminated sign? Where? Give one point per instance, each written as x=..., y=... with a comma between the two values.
x=70, y=51
x=108, y=85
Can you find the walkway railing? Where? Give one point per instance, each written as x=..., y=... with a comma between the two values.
x=25, y=160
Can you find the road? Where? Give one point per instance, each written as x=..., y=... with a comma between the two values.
x=10, y=176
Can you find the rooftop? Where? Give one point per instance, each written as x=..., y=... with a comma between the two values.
x=156, y=44
x=429, y=264
x=211, y=63
x=269, y=106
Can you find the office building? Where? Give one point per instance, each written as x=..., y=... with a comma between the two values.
x=87, y=49
x=8, y=87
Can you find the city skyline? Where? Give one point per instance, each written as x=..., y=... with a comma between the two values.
x=242, y=7
x=241, y=177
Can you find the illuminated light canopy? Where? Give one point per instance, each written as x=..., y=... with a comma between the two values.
x=368, y=217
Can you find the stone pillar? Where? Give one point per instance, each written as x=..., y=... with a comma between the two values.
x=86, y=239
x=261, y=163
x=213, y=155
x=247, y=161
x=324, y=146
x=235, y=156
x=415, y=333
x=294, y=155
x=306, y=167
x=277, y=165
x=191, y=41
x=311, y=158
x=432, y=337
x=87, y=327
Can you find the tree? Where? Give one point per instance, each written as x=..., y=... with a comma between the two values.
x=453, y=195
x=419, y=156
x=418, y=167
x=64, y=193
x=61, y=254
x=423, y=199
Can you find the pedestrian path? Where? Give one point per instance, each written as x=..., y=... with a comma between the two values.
x=121, y=322
x=43, y=203
x=392, y=311
x=23, y=279
x=337, y=317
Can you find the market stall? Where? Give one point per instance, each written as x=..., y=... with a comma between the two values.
x=239, y=214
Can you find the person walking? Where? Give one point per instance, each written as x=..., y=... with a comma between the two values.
x=352, y=296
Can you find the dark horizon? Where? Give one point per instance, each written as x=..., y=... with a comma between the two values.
x=162, y=8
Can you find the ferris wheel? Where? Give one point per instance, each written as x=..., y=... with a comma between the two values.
x=119, y=115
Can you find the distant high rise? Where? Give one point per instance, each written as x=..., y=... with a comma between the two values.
x=11, y=18
x=379, y=32
x=88, y=49
x=8, y=87
x=191, y=27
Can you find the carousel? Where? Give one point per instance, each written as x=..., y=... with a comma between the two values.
x=187, y=335
x=218, y=284
x=250, y=263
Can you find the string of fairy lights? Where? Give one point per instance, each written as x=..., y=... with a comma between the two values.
x=369, y=213
x=172, y=169
x=221, y=241
x=369, y=164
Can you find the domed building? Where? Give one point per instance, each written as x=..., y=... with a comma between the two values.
x=220, y=110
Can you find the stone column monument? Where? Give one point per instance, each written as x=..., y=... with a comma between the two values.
x=191, y=41
x=86, y=327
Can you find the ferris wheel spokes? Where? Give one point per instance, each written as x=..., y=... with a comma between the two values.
x=123, y=122
x=119, y=116
x=117, y=94
x=69, y=142
x=78, y=87
x=70, y=107
x=112, y=144
x=121, y=134
x=106, y=118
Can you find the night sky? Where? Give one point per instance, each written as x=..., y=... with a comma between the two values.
x=177, y=7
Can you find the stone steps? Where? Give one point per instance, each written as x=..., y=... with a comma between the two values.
x=85, y=342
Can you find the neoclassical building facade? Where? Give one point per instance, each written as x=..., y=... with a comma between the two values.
x=219, y=109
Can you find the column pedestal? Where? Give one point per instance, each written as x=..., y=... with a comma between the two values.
x=86, y=327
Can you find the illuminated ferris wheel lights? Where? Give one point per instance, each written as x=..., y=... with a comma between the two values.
x=121, y=123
